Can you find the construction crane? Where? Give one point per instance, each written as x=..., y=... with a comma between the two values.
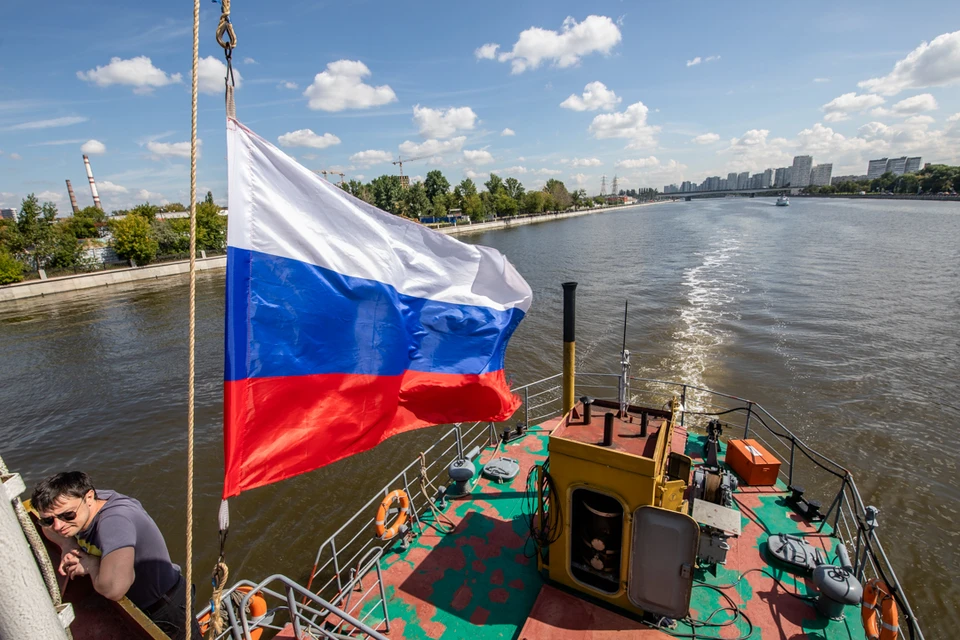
x=325, y=173
x=399, y=161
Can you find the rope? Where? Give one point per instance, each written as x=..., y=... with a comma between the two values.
x=217, y=622
x=38, y=548
x=193, y=312
x=227, y=39
x=448, y=525
x=224, y=28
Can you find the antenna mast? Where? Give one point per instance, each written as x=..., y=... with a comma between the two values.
x=624, y=366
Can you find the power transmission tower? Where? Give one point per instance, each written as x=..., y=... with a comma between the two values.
x=603, y=186
x=613, y=190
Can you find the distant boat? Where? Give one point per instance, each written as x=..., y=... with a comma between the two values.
x=783, y=201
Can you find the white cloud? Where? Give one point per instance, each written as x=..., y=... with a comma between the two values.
x=699, y=60
x=954, y=118
x=15, y=156
x=706, y=138
x=547, y=172
x=211, y=73
x=823, y=141
x=171, y=149
x=50, y=143
x=443, y=123
x=432, y=147
x=138, y=73
x=656, y=175
x=51, y=196
x=912, y=137
x=93, y=148
x=839, y=108
x=47, y=124
x=518, y=170
x=508, y=132
x=934, y=64
x=288, y=85
x=145, y=195
x=249, y=60
x=753, y=151
x=595, y=96
x=341, y=87
x=109, y=188
x=915, y=104
x=919, y=120
x=836, y=116
x=821, y=79
x=371, y=157
x=579, y=179
x=585, y=162
x=630, y=124
x=307, y=138
x=638, y=163
x=486, y=52
x=907, y=107
x=563, y=48
x=477, y=157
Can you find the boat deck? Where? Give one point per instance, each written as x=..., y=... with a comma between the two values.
x=481, y=581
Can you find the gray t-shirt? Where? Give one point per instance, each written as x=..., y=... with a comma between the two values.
x=123, y=522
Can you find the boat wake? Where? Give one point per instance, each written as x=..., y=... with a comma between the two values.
x=711, y=288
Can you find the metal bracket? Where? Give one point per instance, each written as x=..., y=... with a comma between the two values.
x=66, y=614
x=13, y=486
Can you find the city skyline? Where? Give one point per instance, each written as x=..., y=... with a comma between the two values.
x=813, y=175
x=544, y=90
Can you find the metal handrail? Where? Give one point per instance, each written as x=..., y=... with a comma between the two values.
x=300, y=612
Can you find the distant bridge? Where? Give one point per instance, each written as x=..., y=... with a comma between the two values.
x=750, y=193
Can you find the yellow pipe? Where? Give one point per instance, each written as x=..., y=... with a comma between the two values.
x=569, y=361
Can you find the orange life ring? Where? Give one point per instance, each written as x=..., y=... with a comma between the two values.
x=258, y=608
x=382, y=531
x=882, y=624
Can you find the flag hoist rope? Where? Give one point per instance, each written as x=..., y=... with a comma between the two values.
x=227, y=39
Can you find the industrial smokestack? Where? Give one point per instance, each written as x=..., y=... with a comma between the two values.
x=93, y=185
x=73, y=198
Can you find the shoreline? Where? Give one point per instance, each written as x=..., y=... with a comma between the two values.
x=80, y=281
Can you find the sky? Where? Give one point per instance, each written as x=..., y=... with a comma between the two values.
x=654, y=93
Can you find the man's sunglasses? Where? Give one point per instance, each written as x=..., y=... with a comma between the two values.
x=66, y=516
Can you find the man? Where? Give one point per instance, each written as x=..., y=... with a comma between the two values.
x=110, y=538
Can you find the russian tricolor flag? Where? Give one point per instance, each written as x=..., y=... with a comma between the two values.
x=346, y=325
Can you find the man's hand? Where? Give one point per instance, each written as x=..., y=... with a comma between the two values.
x=79, y=563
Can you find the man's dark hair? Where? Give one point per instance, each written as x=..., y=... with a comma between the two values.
x=74, y=484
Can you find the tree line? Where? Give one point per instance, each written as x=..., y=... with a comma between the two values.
x=39, y=239
x=434, y=197
x=931, y=180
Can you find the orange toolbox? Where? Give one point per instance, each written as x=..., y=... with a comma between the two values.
x=754, y=464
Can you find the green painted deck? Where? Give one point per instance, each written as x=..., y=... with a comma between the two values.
x=481, y=581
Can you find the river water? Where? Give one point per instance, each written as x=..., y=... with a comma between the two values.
x=839, y=316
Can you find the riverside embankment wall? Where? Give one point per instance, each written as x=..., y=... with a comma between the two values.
x=64, y=284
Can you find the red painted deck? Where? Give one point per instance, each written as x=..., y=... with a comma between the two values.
x=558, y=615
